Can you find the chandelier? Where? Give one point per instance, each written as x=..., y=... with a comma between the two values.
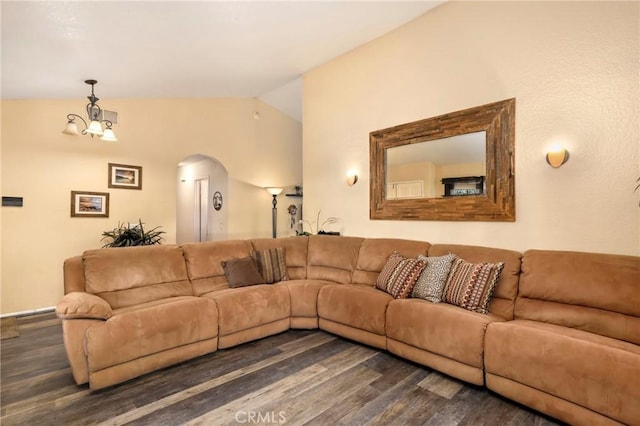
x=94, y=114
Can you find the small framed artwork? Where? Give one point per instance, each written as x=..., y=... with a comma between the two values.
x=217, y=200
x=124, y=176
x=89, y=204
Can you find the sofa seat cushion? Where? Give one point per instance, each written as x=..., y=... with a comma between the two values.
x=247, y=307
x=133, y=333
x=151, y=304
x=354, y=305
x=593, y=371
x=440, y=328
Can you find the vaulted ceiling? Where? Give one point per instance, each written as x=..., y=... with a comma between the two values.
x=184, y=48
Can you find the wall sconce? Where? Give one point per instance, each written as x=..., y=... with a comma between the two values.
x=352, y=177
x=557, y=156
x=94, y=115
x=274, y=211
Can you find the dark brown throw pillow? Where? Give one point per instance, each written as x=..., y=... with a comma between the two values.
x=241, y=272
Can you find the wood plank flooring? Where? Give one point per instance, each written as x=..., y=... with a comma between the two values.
x=300, y=377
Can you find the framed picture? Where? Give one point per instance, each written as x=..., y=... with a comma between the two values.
x=89, y=204
x=217, y=200
x=124, y=176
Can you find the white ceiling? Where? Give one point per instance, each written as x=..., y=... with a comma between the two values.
x=183, y=48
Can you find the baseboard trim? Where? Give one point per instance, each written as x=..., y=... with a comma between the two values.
x=30, y=312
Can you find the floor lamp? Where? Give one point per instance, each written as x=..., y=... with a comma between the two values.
x=274, y=211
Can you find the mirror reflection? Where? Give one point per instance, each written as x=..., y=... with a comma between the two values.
x=447, y=167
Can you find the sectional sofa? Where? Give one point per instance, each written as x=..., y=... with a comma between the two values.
x=561, y=335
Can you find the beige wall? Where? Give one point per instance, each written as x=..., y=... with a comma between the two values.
x=573, y=68
x=42, y=165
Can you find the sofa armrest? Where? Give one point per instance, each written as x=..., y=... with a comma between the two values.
x=80, y=305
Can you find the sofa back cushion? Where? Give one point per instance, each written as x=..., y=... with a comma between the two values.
x=128, y=276
x=332, y=258
x=204, y=262
x=374, y=253
x=295, y=253
x=599, y=293
x=504, y=296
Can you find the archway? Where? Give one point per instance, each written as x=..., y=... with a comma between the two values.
x=202, y=194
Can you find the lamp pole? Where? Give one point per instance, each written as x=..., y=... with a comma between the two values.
x=274, y=215
x=274, y=211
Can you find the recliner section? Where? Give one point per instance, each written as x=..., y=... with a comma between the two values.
x=574, y=339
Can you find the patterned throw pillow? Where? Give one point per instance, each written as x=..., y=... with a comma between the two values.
x=241, y=272
x=471, y=285
x=271, y=264
x=430, y=284
x=399, y=275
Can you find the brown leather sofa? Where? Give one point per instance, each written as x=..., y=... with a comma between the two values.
x=562, y=334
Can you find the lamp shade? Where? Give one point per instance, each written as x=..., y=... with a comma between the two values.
x=274, y=191
x=71, y=129
x=352, y=177
x=95, y=128
x=108, y=136
x=557, y=157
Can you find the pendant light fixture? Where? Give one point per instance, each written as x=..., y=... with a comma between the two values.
x=94, y=115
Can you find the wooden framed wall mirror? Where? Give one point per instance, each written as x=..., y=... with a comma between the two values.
x=455, y=167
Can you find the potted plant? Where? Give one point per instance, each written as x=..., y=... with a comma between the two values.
x=132, y=235
x=331, y=220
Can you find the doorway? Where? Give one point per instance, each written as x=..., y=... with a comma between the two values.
x=201, y=200
x=201, y=209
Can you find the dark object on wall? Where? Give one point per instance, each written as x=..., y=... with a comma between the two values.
x=217, y=200
x=298, y=192
x=11, y=201
x=293, y=212
x=128, y=235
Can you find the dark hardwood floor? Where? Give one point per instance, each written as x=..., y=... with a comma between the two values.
x=297, y=377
